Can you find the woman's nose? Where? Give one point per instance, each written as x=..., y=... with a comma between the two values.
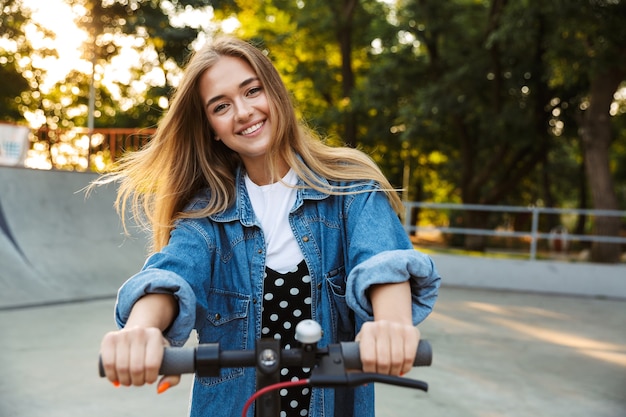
x=244, y=111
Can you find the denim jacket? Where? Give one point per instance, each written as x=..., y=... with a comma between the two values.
x=214, y=266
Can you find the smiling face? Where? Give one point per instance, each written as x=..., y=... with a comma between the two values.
x=237, y=108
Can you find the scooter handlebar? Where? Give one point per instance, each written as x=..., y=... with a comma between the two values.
x=177, y=361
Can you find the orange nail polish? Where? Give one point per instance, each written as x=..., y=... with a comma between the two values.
x=163, y=386
x=116, y=384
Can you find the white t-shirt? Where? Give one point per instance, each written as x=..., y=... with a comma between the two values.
x=271, y=204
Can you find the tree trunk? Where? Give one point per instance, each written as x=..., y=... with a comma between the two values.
x=579, y=229
x=476, y=219
x=595, y=132
x=415, y=211
x=553, y=220
x=344, y=36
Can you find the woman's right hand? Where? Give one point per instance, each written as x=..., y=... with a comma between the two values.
x=132, y=356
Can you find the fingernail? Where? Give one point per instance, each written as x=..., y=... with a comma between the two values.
x=116, y=384
x=163, y=386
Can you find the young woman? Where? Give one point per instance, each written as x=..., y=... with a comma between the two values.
x=257, y=225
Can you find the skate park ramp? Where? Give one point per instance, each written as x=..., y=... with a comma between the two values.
x=58, y=244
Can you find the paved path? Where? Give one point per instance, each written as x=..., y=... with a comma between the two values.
x=496, y=354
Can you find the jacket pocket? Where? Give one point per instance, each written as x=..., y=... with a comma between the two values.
x=341, y=315
x=226, y=323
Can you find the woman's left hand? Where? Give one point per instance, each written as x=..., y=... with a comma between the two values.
x=388, y=344
x=388, y=347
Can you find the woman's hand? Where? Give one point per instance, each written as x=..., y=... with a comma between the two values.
x=388, y=347
x=388, y=344
x=133, y=355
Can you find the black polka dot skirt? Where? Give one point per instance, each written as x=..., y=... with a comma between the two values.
x=286, y=302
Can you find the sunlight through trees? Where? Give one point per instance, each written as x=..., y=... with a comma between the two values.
x=483, y=102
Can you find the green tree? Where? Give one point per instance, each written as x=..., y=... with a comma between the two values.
x=13, y=46
x=480, y=91
x=161, y=48
x=488, y=79
x=479, y=102
x=589, y=49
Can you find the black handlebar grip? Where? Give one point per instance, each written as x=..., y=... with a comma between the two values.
x=101, y=368
x=352, y=356
x=176, y=361
x=424, y=355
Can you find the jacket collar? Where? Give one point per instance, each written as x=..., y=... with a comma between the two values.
x=242, y=208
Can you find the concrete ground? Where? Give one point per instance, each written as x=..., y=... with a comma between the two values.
x=495, y=354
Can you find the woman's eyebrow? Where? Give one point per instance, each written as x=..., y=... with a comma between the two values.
x=241, y=85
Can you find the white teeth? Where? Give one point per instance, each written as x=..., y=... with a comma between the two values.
x=252, y=128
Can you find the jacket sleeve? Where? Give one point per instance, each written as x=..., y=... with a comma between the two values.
x=158, y=281
x=378, y=251
x=395, y=266
x=170, y=271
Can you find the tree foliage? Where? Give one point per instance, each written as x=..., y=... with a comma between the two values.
x=482, y=101
x=13, y=46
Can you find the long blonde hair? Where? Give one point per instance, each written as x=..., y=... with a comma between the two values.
x=182, y=157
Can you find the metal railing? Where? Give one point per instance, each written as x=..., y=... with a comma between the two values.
x=84, y=143
x=534, y=234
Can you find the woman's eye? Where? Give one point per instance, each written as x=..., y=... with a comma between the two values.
x=254, y=91
x=219, y=108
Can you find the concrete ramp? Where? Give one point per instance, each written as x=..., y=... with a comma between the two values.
x=59, y=245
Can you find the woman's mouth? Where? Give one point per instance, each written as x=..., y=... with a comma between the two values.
x=252, y=128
